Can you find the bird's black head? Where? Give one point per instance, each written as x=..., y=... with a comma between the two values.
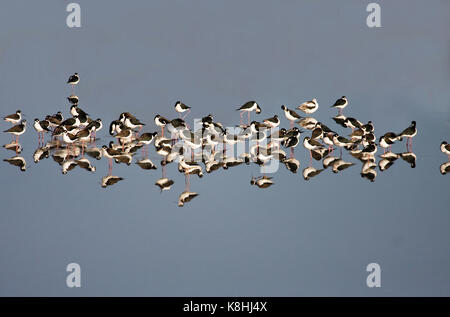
x=36, y=120
x=413, y=123
x=283, y=107
x=444, y=143
x=18, y=112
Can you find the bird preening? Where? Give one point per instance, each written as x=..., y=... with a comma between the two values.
x=212, y=146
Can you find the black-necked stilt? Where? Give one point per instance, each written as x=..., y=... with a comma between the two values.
x=110, y=153
x=445, y=148
x=18, y=161
x=74, y=121
x=18, y=130
x=371, y=149
x=77, y=111
x=387, y=140
x=340, y=104
x=317, y=132
x=248, y=107
x=95, y=126
x=73, y=80
x=124, y=136
x=272, y=122
x=340, y=119
x=55, y=119
x=84, y=136
x=357, y=135
x=291, y=115
x=409, y=133
x=311, y=144
x=14, y=118
x=368, y=127
x=309, y=107
x=181, y=108
x=308, y=123
x=160, y=121
x=41, y=127
x=131, y=122
x=69, y=138
x=146, y=139
x=353, y=123
x=341, y=142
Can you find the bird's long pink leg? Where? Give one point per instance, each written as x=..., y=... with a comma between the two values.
x=248, y=117
x=291, y=124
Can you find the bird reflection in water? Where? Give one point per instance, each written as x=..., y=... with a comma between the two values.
x=210, y=147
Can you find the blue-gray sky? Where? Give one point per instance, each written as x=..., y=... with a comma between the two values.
x=296, y=238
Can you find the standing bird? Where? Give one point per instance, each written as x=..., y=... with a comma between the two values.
x=131, y=122
x=146, y=139
x=41, y=127
x=387, y=140
x=341, y=103
x=160, y=121
x=291, y=115
x=272, y=122
x=181, y=108
x=18, y=130
x=73, y=80
x=249, y=106
x=311, y=144
x=309, y=107
x=95, y=126
x=14, y=118
x=409, y=133
x=445, y=148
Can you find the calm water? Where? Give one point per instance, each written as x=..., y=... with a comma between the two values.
x=295, y=238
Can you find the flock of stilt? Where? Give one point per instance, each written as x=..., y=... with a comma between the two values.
x=211, y=144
